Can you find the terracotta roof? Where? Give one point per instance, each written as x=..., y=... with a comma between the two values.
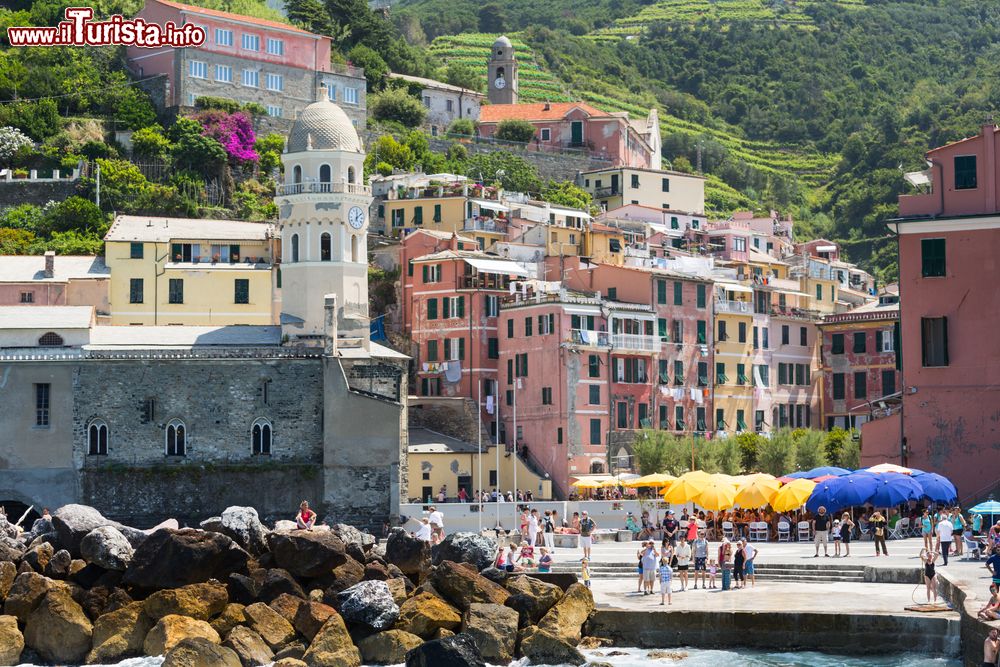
x=494, y=113
x=235, y=17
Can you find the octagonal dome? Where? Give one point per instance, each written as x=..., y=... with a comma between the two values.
x=323, y=126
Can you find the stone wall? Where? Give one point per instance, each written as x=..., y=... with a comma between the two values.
x=23, y=191
x=147, y=496
x=454, y=417
x=218, y=401
x=381, y=378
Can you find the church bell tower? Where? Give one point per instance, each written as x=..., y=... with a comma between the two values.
x=502, y=70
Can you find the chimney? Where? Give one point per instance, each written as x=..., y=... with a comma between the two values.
x=548, y=106
x=330, y=324
x=453, y=242
x=50, y=263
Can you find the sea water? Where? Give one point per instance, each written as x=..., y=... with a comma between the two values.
x=711, y=658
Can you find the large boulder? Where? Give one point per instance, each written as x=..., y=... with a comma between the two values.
x=27, y=592
x=369, y=603
x=494, y=629
x=244, y=526
x=409, y=554
x=456, y=651
x=169, y=631
x=10, y=549
x=38, y=556
x=58, y=629
x=11, y=641
x=278, y=582
x=424, y=614
x=307, y=553
x=248, y=645
x=174, y=558
x=73, y=522
x=107, y=547
x=245, y=589
x=343, y=577
x=534, y=597
x=568, y=615
x=332, y=646
x=119, y=634
x=462, y=587
x=8, y=572
x=198, y=601
x=200, y=652
x=269, y=624
x=287, y=606
x=544, y=648
x=59, y=565
x=388, y=648
x=310, y=618
x=230, y=617
x=101, y=600
x=471, y=548
x=351, y=535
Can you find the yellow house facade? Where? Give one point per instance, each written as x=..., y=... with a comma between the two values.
x=191, y=272
x=614, y=187
x=734, y=404
x=437, y=461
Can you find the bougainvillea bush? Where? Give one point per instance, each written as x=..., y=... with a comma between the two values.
x=233, y=130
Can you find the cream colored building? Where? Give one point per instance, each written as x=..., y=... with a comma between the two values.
x=192, y=272
x=619, y=186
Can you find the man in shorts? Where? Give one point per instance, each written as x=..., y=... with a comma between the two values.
x=700, y=550
x=751, y=552
x=436, y=519
x=991, y=648
x=821, y=530
x=587, y=527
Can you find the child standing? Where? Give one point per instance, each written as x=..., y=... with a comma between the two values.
x=712, y=569
x=585, y=572
x=835, y=531
x=666, y=578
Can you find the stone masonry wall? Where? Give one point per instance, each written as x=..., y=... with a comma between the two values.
x=23, y=191
x=382, y=378
x=218, y=400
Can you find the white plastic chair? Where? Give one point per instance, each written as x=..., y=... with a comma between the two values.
x=804, y=532
x=758, y=531
x=784, y=531
x=727, y=530
x=683, y=528
x=899, y=532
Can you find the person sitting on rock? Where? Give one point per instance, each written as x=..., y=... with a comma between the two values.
x=306, y=518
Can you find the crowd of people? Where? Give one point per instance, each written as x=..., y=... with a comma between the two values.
x=483, y=496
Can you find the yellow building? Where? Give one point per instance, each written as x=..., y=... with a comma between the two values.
x=604, y=244
x=437, y=461
x=618, y=186
x=734, y=405
x=191, y=272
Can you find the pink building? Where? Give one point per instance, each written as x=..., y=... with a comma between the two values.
x=563, y=125
x=949, y=240
x=49, y=280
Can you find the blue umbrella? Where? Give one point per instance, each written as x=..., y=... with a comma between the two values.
x=802, y=474
x=826, y=470
x=916, y=473
x=894, y=489
x=988, y=507
x=822, y=495
x=852, y=490
x=937, y=488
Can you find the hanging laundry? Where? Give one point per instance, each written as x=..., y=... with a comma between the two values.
x=694, y=394
x=426, y=366
x=489, y=405
x=665, y=390
x=453, y=373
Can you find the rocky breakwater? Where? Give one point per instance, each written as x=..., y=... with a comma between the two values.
x=81, y=589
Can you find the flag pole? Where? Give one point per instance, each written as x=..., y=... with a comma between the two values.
x=479, y=474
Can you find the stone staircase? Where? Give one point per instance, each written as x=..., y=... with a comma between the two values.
x=819, y=572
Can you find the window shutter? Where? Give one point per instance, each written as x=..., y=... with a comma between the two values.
x=661, y=291
x=446, y=308
x=461, y=306
x=878, y=341
x=944, y=322
x=461, y=349
x=432, y=307
x=552, y=322
x=424, y=267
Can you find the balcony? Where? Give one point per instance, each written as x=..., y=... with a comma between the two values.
x=733, y=307
x=319, y=187
x=587, y=338
x=491, y=225
x=606, y=192
x=635, y=342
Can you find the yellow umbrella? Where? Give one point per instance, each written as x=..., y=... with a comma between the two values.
x=588, y=483
x=686, y=488
x=718, y=494
x=793, y=495
x=757, y=492
x=657, y=479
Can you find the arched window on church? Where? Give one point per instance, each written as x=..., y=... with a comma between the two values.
x=260, y=437
x=176, y=444
x=324, y=178
x=354, y=247
x=351, y=175
x=325, y=247
x=97, y=438
x=297, y=174
x=500, y=70
x=295, y=247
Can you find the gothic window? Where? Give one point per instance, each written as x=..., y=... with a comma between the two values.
x=50, y=340
x=260, y=437
x=295, y=247
x=97, y=438
x=176, y=444
x=325, y=244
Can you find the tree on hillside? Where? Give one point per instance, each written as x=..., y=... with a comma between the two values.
x=462, y=126
x=567, y=193
x=12, y=140
x=511, y=171
x=463, y=76
x=15, y=241
x=520, y=131
x=650, y=451
x=396, y=105
x=193, y=150
x=492, y=18
x=376, y=71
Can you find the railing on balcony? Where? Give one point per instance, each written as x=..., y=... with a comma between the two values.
x=606, y=192
x=485, y=281
x=634, y=342
x=798, y=313
x=590, y=338
x=320, y=187
x=729, y=306
x=485, y=225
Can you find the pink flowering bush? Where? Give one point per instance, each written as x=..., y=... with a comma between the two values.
x=233, y=130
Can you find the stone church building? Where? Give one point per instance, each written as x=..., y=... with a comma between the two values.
x=149, y=422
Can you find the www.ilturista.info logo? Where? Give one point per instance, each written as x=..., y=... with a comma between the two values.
x=79, y=30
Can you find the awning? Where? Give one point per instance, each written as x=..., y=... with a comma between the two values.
x=503, y=267
x=735, y=287
x=826, y=248
x=918, y=178
x=790, y=291
x=570, y=212
x=491, y=205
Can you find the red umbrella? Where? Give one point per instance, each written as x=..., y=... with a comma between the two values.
x=786, y=479
x=820, y=480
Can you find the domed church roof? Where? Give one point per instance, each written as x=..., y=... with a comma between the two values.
x=323, y=126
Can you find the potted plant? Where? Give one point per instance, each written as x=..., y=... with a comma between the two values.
x=20, y=173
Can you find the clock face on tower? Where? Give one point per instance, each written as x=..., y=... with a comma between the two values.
x=356, y=217
x=499, y=82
